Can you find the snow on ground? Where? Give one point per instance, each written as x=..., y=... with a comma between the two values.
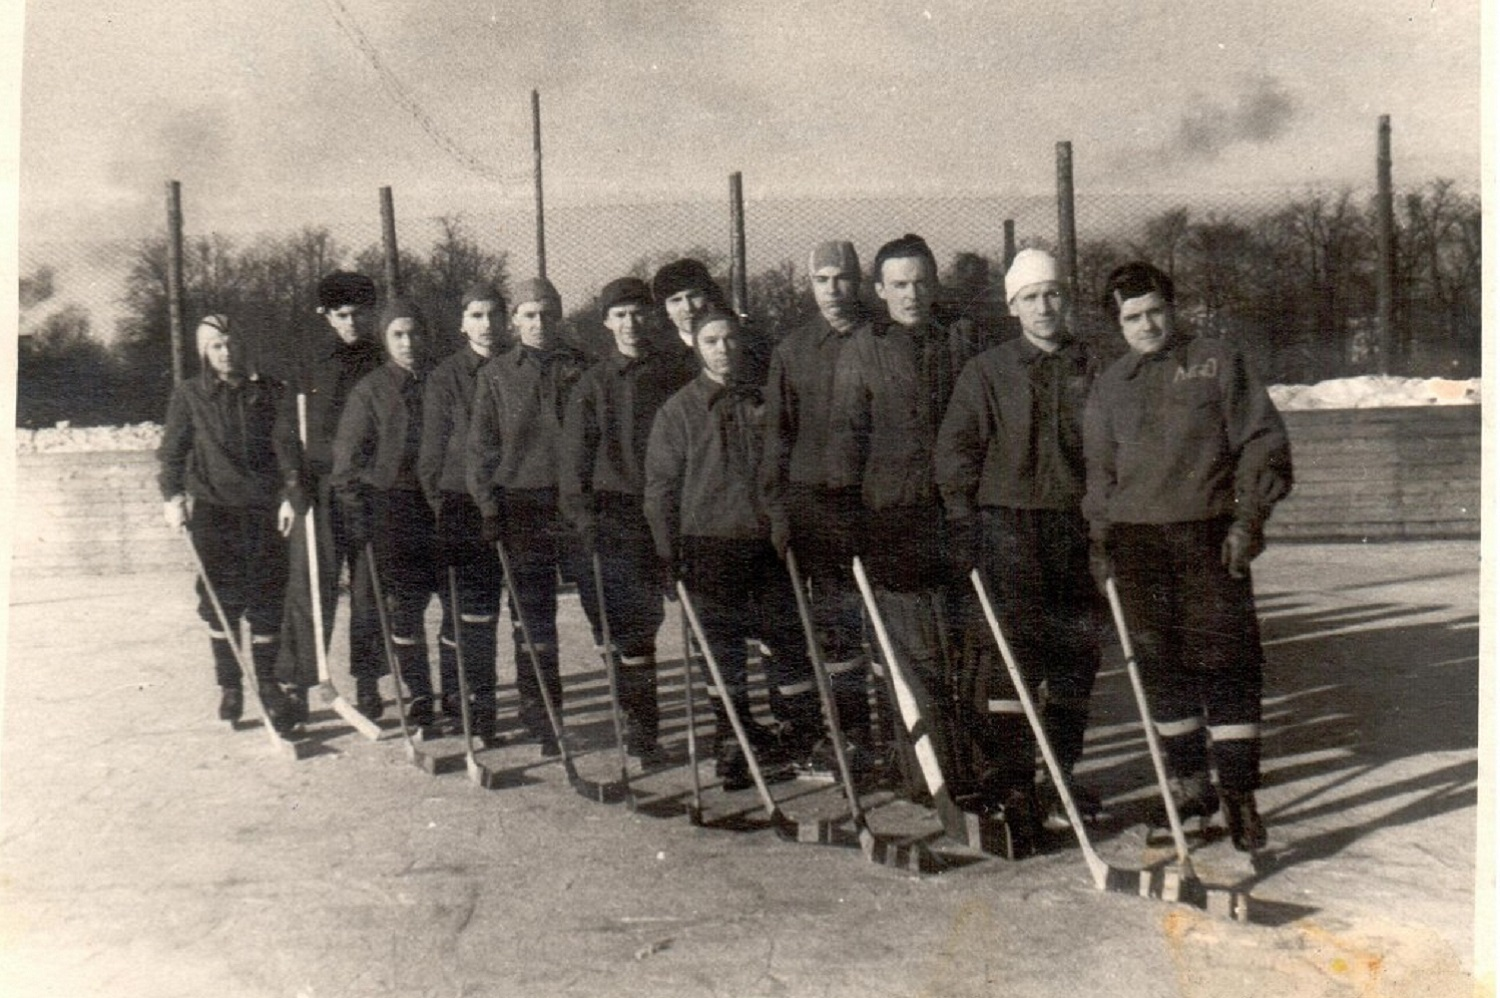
x=1366, y=392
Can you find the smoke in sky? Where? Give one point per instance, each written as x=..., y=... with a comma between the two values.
x=1260, y=113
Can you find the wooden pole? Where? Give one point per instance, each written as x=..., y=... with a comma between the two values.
x=388, y=239
x=1067, y=235
x=738, y=288
x=536, y=159
x=175, y=303
x=1385, y=246
x=1009, y=253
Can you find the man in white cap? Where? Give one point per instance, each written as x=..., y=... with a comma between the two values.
x=821, y=524
x=1009, y=463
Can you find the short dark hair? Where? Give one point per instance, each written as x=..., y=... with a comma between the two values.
x=1134, y=280
x=715, y=313
x=908, y=245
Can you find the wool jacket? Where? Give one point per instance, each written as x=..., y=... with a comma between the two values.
x=327, y=382
x=221, y=445
x=379, y=434
x=1013, y=433
x=515, y=431
x=1183, y=434
x=447, y=402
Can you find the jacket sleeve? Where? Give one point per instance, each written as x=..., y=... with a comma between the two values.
x=485, y=448
x=1099, y=460
x=1257, y=435
x=354, y=445
x=849, y=419
x=437, y=425
x=176, y=445
x=666, y=463
x=286, y=443
x=781, y=430
x=580, y=446
x=962, y=440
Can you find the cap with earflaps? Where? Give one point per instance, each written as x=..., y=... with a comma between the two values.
x=686, y=274
x=834, y=253
x=622, y=290
x=480, y=291
x=1031, y=266
x=536, y=289
x=344, y=287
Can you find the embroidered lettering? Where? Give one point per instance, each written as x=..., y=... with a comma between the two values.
x=1208, y=369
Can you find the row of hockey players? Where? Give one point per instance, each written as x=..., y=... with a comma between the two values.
x=926, y=449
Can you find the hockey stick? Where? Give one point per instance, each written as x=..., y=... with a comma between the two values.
x=291, y=749
x=973, y=830
x=414, y=755
x=782, y=825
x=1237, y=903
x=694, y=809
x=611, y=671
x=603, y=793
x=902, y=855
x=479, y=774
x=1150, y=882
x=326, y=690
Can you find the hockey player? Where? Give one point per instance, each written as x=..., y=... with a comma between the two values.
x=346, y=302
x=602, y=479
x=891, y=389
x=221, y=477
x=447, y=403
x=820, y=523
x=712, y=530
x=1009, y=463
x=380, y=496
x=1186, y=458
x=684, y=290
x=511, y=466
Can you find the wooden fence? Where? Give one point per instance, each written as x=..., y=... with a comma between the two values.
x=1362, y=474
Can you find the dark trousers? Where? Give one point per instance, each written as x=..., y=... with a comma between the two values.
x=538, y=546
x=297, y=663
x=404, y=544
x=1036, y=566
x=740, y=590
x=476, y=569
x=627, y=562
x=244, y=557
x=1197, y=643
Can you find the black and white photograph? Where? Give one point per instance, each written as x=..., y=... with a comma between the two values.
x=929, y=499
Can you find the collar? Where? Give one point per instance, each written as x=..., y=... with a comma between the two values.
x=1173, y=351
x=1030, y=353
x=622, y=364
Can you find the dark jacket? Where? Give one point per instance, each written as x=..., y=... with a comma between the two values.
x=379, y=434
x=515, y=431
x=702, y=477
x=334, y=371
x=447, y=402
x=1187, y=433
x=607, y=427
x=220, y=443
x=1013, y=434
x=889, y=396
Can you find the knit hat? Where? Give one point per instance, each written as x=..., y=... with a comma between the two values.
x=621, y=290
x=715, y=313
x=1031, y=266
x=682, y=275
x=399, y=308
x=834, y=253
x=480, y=291
x=343, y=287
x=536, y=289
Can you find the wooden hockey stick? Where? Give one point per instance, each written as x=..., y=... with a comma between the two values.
x=780, y=823
x=911, y=855
x=1233, y=904
x=612, y=672
x=479, y=774
x=603, y=793
x=327, y=692
x=289, y=748
x=975, y=831
x=695, y=808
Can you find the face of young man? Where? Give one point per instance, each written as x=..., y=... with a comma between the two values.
x=1041, y=309
x=719, y=349
x=907, y=285
x=402, y=339
x=683, y=307
x=350, y=322
x=627, y=321
x=1146, y=322
x=481, y=324
x=536, y=323
x=217, y=352
x=836, y=294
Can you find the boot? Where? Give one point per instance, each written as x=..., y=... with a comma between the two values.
x=1246, y=829
x=231, y=704
x=274, y=704
x=1018, y=810
x=851, y=699
x=294, y=703
x=367, y=697
x=637, y=678
x=801, y=729
x=1194, y=796
x=420, y=713
x=1089, y=804
x=482, y=717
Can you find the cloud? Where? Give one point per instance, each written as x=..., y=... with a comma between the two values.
x=1259, y=114
x=186, y=142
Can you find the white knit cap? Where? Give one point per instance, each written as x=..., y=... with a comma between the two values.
x=1031, y=266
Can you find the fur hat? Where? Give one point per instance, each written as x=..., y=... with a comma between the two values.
x=343, y=287
x=683, y=275
x=621, y=290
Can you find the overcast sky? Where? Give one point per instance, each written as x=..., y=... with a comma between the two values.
x=281, y=113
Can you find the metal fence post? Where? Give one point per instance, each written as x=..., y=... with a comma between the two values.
x=388, y=240
x=536, y=169
x=1385, y=249
x=739, y=292
x=175, y=303
x=1067, y=236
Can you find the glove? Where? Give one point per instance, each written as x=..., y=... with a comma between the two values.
x=358, y=530
x=1241, y=545
x=286, y=518
x=1101, y=565
x=491, y=529
x=666, y=575
x=296, y=495
x=175, y=512
x=963, y=546
x=781, y=535
x=588, y=534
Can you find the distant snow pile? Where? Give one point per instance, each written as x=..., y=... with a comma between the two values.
x=1374, y=391
x=62, y=437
